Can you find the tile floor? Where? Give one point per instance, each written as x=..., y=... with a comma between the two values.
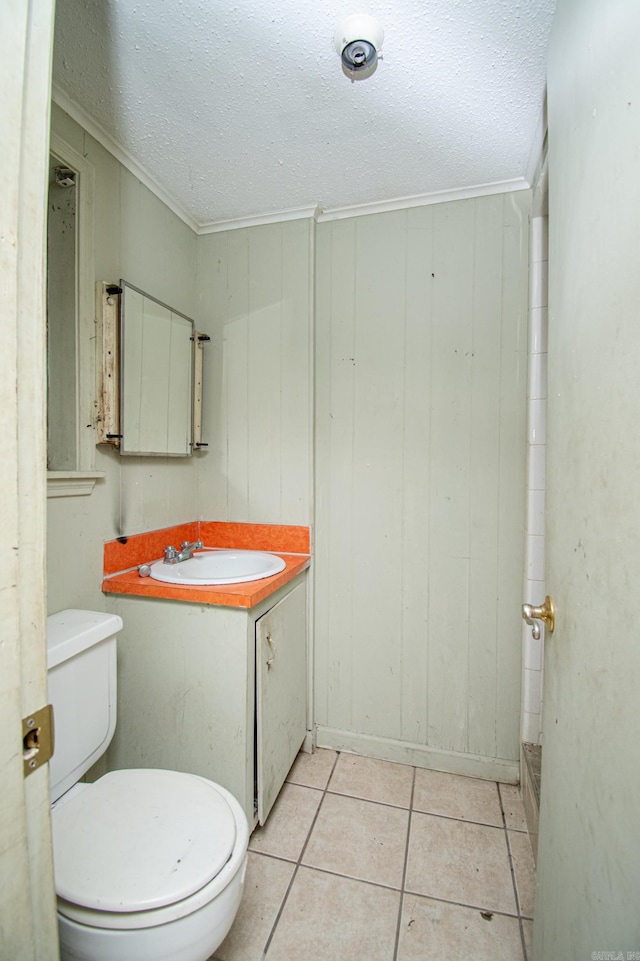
x=367, y=860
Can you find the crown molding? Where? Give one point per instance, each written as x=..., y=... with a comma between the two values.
x=276, y=217
x=320, y=214
x=122, y=155
x=423, y=200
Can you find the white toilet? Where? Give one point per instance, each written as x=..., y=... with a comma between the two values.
x=149, y=865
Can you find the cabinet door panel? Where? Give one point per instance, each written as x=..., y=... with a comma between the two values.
x=281, y=682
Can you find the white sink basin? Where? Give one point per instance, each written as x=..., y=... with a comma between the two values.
x=218, y=567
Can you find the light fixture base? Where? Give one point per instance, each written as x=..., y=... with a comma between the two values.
x=358, y=41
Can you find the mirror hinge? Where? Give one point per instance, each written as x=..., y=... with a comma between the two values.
x=108, y=363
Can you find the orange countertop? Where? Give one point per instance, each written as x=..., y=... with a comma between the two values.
x=123, y=555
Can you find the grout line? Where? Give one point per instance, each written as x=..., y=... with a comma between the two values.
x=410, y=808
x=384, y=804
x=404, y=870
x=274, y=857
x=450, y=817
x=387, y=887
x=349, y=877
x=309, y=787
x=298, y=862
x=513, y=877
x=464, y=904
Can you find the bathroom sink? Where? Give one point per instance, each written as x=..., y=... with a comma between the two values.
x=218, y=567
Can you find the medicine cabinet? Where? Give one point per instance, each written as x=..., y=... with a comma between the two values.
x=151, y=390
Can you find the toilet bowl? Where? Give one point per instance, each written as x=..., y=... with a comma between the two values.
x=149, y=864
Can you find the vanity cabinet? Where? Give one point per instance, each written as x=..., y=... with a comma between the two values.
x=216, y=691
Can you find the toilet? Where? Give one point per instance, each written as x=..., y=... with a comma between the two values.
x=149, y=864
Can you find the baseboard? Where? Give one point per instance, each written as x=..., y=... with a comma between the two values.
x=505, y=770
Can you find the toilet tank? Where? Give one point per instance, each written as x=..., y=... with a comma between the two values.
x=81, y=662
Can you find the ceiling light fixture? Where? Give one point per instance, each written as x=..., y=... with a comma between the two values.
x=358, y=41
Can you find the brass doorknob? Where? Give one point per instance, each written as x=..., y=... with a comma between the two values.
x=546, y=612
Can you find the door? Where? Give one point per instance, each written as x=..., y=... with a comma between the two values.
x=589, y=845
x=27, y=900
x=281, y=698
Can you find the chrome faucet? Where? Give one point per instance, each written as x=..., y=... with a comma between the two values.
x=172, y=556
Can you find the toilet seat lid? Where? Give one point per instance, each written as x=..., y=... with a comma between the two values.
x=140, y=839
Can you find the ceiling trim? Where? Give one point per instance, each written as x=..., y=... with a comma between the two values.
x=94, y=130
x=276, y=217
x=424, y=200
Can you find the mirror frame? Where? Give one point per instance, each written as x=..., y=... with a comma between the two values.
x=82, y=479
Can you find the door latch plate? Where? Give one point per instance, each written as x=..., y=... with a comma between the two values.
x=37, y=739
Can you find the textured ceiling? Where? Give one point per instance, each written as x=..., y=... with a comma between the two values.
x=240, y=109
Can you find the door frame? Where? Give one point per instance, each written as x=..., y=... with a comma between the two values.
x=28, y=929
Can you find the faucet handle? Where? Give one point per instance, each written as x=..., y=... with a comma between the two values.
x=170, y=553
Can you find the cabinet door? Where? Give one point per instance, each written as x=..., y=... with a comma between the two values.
x=281, y=685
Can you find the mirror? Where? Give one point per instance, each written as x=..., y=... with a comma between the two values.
x=61, y=317
x=70, y=321
x=156, y=376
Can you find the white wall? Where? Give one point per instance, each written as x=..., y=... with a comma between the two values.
x=139, y=239
x=421, y=368
x=255, y=301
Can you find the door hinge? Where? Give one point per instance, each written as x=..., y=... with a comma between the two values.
x=37, y=739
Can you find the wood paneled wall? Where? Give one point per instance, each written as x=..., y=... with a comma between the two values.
x=255, y=289
x=421, y=360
